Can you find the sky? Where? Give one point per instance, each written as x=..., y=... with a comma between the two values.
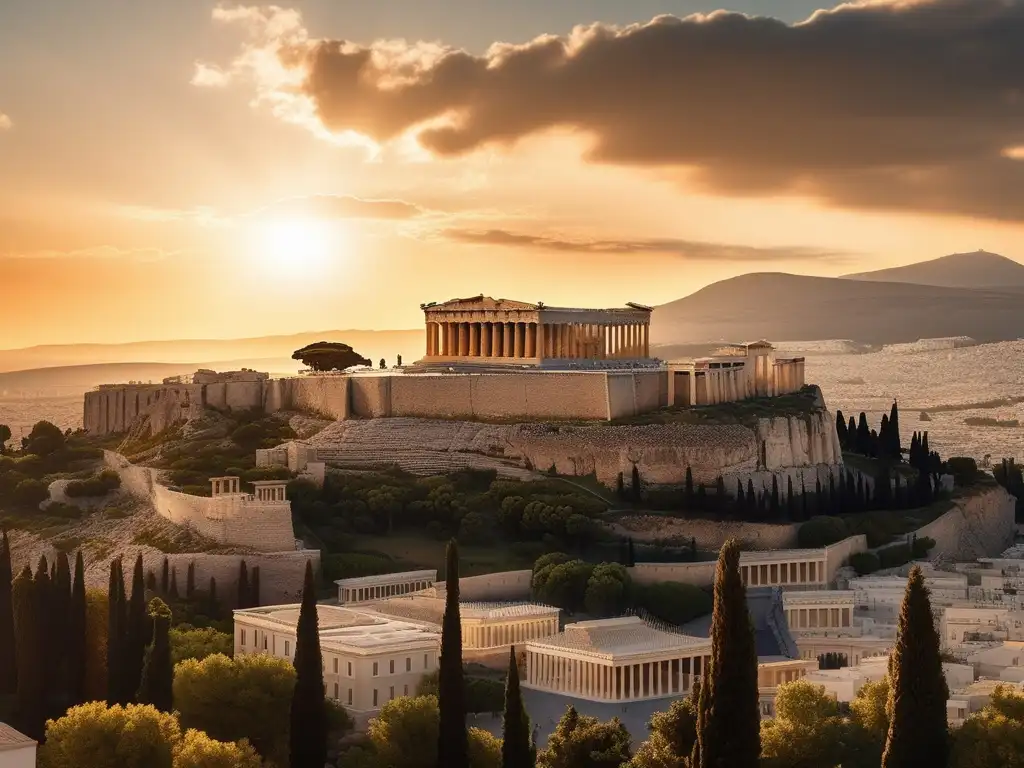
x=187, y=169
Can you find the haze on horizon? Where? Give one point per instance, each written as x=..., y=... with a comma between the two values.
x=182, y=169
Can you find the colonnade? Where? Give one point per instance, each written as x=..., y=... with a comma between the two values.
x=788, y=376
x=772, y=677
x=819, y=618
x=382, y=591
x=530, y=340
x=608, y=681
x=496, y=635
x=774, y=574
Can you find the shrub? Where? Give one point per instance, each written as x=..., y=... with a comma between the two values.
x=864, y=563
x=31, y=493
x=963, y=469
x=484, y=695
x=922, y=546
x=822, y=531
x=895, y=556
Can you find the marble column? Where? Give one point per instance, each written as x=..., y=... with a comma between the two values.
x=496, y=339
x=506, y=347
x=647, y=339
x=430, y=339
x=531, y=339
x=485, y=339
x=474, y=340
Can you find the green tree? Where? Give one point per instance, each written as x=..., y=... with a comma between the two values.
x=580, y=741
x=155, y=686
x=405, y=735
x=5, y=435
x=44, y=439
x=672, y=736
x=30, y=630
x=197, y=750
x=190, y=581
x=730, y=736
x=96, y=623
x=77, y=635
x=244, y=698
x=136, y=633
x=452, y=749
x=199, y=643
x=607, y=590
x=807, y=730
x=918, y=730
x=517, y=749
x=308, y=741
x=115, y=642
x=8, y=656
x=993, y=738
x=98, y=736
x=31, y=493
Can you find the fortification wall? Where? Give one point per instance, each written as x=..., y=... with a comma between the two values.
x=979, y=525
x=281, y=573
x=710, y=535
x=837, y=554
x=496, y=587
x=321, y=395
x=228, y=520
x=532, y=395
x=116, y=409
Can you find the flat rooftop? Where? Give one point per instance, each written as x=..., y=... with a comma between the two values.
x=621, y=638
x=346, y=627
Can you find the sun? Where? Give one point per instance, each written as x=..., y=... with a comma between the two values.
x=298, y=245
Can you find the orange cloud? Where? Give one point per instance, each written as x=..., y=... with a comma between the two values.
x=886, y=105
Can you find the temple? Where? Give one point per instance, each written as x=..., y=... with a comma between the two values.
x=499, y=331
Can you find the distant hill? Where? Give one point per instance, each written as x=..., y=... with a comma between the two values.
x=980, y=269
x=783, y=306
x=372, y=344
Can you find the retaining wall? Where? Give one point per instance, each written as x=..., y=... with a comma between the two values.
x=979, y=525
x=496, y=587
x=230, y=520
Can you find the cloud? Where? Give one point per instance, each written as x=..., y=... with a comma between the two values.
x=100, y=252
x=210, y=76
x=5, y=122
x=344, y=207
x=906, y=105
x=691, y=250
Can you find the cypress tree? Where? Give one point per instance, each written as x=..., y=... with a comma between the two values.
x=115, y=644
x=254, y=598
x=753, y=511
x=517, y=749
x=688, y=492
x=895, y=446
x=851, y=435
x=720, y=499
x=741, y=501
x=173, y=593
x=60, y=626
x=630, y=552
x=884, y=438
x=244, y=590
x=213, y=609
x=703, y=702
x=731, y=733
x=151, y=582
x=841, y=428
x=76, y=635
x=819, y=498
x=452, y=746
x=30, y=628
x=918, y=732
x=774, y=506
x=863, y=435
x=8, y=656
x=308, y=736
x=883, y=487
x=638, y=490
x=165, y=577
x=190, y=581
x=44, y=600
x=791, y=512
x=158, y=671
x=137, y=631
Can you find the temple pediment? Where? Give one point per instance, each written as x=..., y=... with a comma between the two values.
x=482, y=303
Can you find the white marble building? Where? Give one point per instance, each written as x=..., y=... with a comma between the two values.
x=16, y=749
x=368, y=589
x=369, y=658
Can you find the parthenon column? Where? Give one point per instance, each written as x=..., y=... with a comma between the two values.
x=474, y=339
x=531, y=339
x=647, y=339
x=496, y=339
x=485, y=339
x=517, y=339
x=507, y=343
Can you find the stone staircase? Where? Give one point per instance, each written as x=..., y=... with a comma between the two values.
x=418, y=446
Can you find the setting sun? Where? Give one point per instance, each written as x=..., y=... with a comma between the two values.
x=292, y=245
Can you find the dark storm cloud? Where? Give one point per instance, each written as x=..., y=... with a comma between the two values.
x=691, y=250
x=898, y=105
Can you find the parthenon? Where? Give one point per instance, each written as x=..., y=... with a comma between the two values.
x=482, y=329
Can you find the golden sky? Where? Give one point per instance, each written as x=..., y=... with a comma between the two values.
x=180, y=169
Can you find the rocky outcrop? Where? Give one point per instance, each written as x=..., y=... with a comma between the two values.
x=981, y=524
x=799, y=447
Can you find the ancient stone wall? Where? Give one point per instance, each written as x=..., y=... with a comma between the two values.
x=496, y=587
x=230, y=520
x=281, y=573
x=837, y=555
x=321, y=395
x=710, y=535
x=117, y=409
x=979, y=525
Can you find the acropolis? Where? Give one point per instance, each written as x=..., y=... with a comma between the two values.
x=484, y=359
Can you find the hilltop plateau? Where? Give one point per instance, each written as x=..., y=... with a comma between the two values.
x=979, y=269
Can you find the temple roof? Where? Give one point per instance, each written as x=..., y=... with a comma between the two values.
x=622, y=637
x=482, y=302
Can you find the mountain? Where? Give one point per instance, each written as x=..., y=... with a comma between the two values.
x=783, y=306
x=980, y=269
x=249, y=353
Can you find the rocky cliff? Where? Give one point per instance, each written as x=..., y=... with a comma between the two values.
x=980, y=524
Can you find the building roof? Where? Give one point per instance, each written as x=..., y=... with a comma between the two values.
x=388, y=578
x=12, y=739
x=620, y=638
x=354, y=630
x=429, y=604
x=482, y=302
